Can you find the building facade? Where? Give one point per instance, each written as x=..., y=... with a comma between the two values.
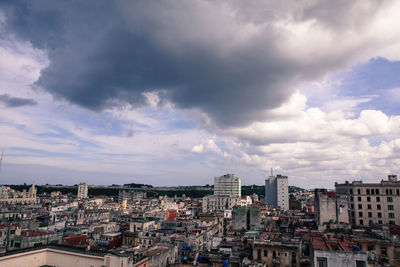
x=82, y=191
x=330, y=208
x=277, y=192
x=219, y=203
x=11, y=196
x=227, y=185
x=372, y=203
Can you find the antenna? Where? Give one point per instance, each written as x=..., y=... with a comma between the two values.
x=272, y=174
x=1, y=159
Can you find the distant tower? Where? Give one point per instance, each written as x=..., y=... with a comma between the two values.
x=82, y=191
x=276, y=191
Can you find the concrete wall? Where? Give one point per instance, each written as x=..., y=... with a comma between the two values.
x=339, y=258
x=51, y=257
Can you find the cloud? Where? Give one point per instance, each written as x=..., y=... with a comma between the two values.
x=234, y=62
x=208, y=146
x=13, y=102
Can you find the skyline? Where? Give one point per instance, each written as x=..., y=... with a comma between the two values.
x=176, y=93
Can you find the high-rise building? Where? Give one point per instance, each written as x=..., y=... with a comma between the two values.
x=276, y=191
x=377, y=203
x=82, y=191
x=227, y=185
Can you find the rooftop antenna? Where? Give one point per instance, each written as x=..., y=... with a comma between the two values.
x=272, y=174
x=1, y=159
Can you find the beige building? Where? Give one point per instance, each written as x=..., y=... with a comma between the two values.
x=219, y=203
x=82, y=191
x=277, y=253
x=66, y=257
x=11, y=196
x=377, y=203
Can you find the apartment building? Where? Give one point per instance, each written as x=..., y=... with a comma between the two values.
x=372, y=203
x=227, y=185
x=82, y=191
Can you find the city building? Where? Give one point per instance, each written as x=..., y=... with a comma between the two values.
x=82, y=191
x=330, y=208
x=372, y=203
x=277, y=252
x=277, y=192
x=227, y=185
x=10, y=196
x=130, y=196
x=244, y=218
x=219, y=203
x=330, y=250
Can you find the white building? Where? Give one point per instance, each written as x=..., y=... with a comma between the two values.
x=227, y=185
x=277, y=192
x=82, y=191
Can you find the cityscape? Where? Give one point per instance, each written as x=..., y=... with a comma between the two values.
x=356, y=224
x=199, y=133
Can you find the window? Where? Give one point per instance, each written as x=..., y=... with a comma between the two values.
x=351, y=191
x=12, y=232
x=368, y=191
x=352, y=214
x=360, y=264
x=377, y=191
x=372, y=192
x=274, y=255
x=379, y=214
x=322, y=262
x=369, y=206
x=265, y=253
x=390, y=199
x=352, y=206
x=360, y=214
x=378, y=199
x=383, y=251
x=359, y=198
x=391, y=215
x=360, y=206
x=371, y=247
x=351, y=198
x=294, y=258
x=391, y=222
x=380, y=221
x=378, y=207
x=369, y=214
x=391, y=192
x=397, y=191
x=390, y=207
x=359, y=191
x=258, y=253
x=361, y=222
x=387, y=191
x=369, y=199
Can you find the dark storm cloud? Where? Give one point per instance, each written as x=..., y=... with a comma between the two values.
x=222, y=58
x=12, y=102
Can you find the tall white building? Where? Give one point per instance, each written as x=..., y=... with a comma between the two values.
x=227, y=185
x=277, y=192
x=82, y=191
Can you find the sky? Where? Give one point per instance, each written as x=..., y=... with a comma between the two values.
x=178, y=92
